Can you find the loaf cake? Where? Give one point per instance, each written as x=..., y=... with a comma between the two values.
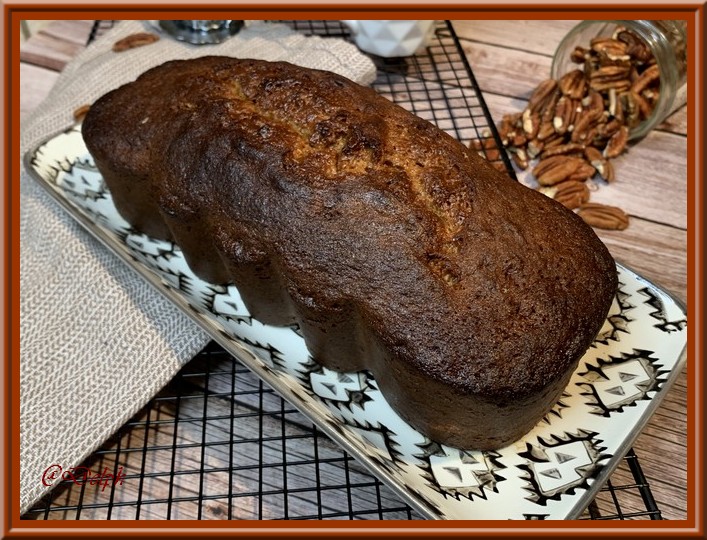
x=395, y=248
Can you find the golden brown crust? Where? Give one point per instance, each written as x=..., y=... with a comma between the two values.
x=394, y=247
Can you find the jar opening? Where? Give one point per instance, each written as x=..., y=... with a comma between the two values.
x=653, y=92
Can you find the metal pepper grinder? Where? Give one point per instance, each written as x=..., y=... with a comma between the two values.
x=201, y=32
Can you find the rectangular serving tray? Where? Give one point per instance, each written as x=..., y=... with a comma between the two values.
x=553, y=472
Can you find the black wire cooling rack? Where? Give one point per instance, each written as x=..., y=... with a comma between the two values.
x=218, y=443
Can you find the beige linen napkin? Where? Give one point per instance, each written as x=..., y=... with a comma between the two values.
x=96, y=342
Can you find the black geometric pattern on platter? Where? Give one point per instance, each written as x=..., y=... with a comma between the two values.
x=382, y=438
x=79, y=190
x=76, y=184
x=561, y=465
x=460, y=473
x=617, y=321
x=156, y=255
x=341, y=390
x=270, y=356
x=556, y=411
x=660, y=314
x=221, y=293
x=621, y=382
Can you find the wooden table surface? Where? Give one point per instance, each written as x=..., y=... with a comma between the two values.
x=509, y=59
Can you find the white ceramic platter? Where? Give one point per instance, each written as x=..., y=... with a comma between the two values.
x=552, y=473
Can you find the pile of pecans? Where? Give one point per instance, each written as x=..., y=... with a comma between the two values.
x=574, y=126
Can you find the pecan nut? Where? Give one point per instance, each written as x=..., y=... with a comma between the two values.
x=610, y=48
x=563, y=115
x=630, y=110
x=583, y=173
x=80, y=112
x=573, y=84
x=597, y=161
x=649, y=76
x=592, y=154
x=135, y=40
x=555, y=140
x=608, y=129
x=534, y=148
x=644, y=107
x=617, y=143
x=541, y=94
x=531, y=123
x=578, y=54
x=635, y=47
x=611, y=73
x=605, y=169
x=555, y=169
x=593, y=103
x=563, y=149
x=518, y=140
x=603, y=216
x=486, y=147
x=546, y=130
x=569, y=193
x=585, y=122
x=548, y=109
x=604, y=85
x=520, y=158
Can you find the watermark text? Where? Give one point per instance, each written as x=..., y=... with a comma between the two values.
x=82, y=476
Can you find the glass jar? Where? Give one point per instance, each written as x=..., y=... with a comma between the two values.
x=201, y=32
x=667, y=41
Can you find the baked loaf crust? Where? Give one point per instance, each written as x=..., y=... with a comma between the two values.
x=396, y=249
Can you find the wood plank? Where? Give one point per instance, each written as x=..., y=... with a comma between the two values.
x=662, y=453
x=651, y=180
x=506, y=72
x=49, y=51
x=654, y=251
x=538, y=37
x=71, y=31
x=629, y=499
x=35, y=84
x=676, y=122
x=671, y=416
x=667, y=480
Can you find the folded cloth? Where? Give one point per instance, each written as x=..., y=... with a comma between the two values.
x=96, y=341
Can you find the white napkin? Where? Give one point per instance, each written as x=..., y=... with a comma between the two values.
x=96, y=342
